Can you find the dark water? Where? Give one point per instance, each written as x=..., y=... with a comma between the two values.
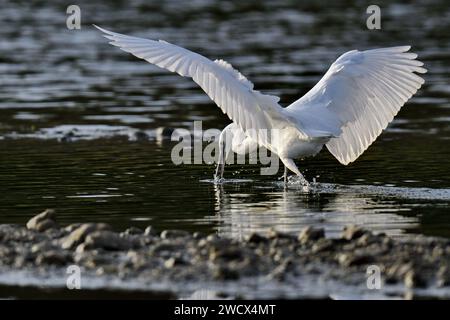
x=70, y=107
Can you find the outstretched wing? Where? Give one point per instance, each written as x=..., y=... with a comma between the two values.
x=358, y=97
x=227, y=87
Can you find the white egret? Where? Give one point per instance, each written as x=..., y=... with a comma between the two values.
x=346, y=110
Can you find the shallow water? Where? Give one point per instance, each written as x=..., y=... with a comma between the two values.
x=78, y=118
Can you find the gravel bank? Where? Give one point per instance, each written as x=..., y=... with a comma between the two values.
x=183, y=263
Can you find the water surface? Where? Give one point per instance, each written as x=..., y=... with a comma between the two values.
x=74, y=110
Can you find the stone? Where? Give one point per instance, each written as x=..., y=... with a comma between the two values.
x=226, y=253
x=443, y=276
x=368, y=239
x=78, y=236
x=222, y=272
x=174, y=261
x=42, y=247
x=256, y=238
x=164, y=248
x=42, y=221
x=311, y=234
x=353, y=232
x=72, y=227
x=133, y=231
x=322, y=245
x=171, y=234
x=150, y=231
x=274, y=234
x=198, y=235
x=413, y=279
x=107, y=240
x=349, y=259
x=53, y=258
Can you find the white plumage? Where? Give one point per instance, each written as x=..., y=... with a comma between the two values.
x=346, y=110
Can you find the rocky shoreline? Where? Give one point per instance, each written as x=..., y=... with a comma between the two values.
x=268, y=266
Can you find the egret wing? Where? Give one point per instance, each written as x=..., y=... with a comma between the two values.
x=227, y=87
x=358, y=97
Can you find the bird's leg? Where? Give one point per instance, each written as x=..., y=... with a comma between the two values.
x=285, y=176
x=290, y=164
x=221, y=161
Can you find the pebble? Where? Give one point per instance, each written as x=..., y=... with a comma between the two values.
x=53, y=257
x=274, y=234
x=350, y=259
x=78, y=236
x=133, y=231
x=352, y=232
x=107, y=240
x=171, y=234
x=443, y=276
x=256, y=238
x=42, y=221
x=311, y=234
x=174, y=261
x=225, y=273
x=414, y=280
x=150, y=231
x=225, y=253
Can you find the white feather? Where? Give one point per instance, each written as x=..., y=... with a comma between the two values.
x=363, y=91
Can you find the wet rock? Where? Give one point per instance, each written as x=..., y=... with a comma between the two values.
x=78, y=236
x=226, y=253
x=215, y=243
x=212, y=237
x=42, y=221
x=92, y=259
x=133, y=231
x=107, y=240
x=42, y=247
x=174, y=261
x=322, y=245
x=256, y=238
x=150, y=231
x=438, y=252
x=198, y=235
x=137, y=259
x=22, y=260
x=53, y=258
x=353, y=232
x=165, y=247
x=5, y=252
x=350, y=259
x=368, y=239
x=311, y=234
x=171, y=234
x=136, y=240
x=281, y=271
x=72, y=227
x=414, y=279
x=82, y=247
x=107, y=270
x=443, y=276
x=223, y=272
x=274, y=234
x=397, y=271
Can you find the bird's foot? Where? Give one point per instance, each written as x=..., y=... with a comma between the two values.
x=297, y=181
x=218, y=179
